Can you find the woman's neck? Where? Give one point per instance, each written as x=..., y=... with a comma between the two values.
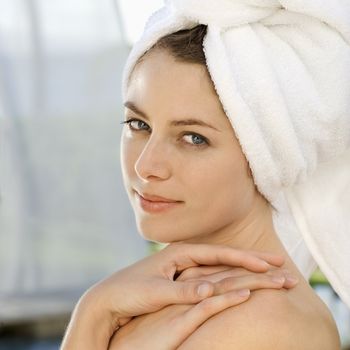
x=255, y=231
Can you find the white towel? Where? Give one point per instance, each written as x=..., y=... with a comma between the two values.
x=282, y=72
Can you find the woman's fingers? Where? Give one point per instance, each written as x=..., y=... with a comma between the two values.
x=195, y=290
x=233, y=279
x=217, y=277
x=217, y=273
x=199, y=313
x=198, y=271
x=254, y=282
x=177, y=292
x=187, y=255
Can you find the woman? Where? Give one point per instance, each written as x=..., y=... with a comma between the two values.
x=147, y=286
x=186, y=168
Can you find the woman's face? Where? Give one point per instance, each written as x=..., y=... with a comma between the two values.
x=183, y=168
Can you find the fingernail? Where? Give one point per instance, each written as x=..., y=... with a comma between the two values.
x=278, y=279
x=291, y=279
x=204, y=290
x=243, y=292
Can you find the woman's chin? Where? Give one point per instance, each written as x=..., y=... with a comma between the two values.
x=154, y=237
x=160, y=235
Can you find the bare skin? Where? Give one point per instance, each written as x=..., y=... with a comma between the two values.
x=169, y=150
x=151, y=284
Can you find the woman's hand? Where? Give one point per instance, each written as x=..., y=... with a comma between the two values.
x=149, y=285
x=169, y=327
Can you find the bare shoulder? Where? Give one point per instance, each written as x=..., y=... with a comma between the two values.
x=270, y=319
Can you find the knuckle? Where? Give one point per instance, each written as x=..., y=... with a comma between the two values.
x=206, y=306
x=227, y=283
x=187, y=292
x=257, y=279
x=175, y=323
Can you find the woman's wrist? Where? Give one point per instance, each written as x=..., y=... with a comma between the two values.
x=91, y=325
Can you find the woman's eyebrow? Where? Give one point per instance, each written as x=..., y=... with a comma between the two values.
x=192, y=121
x=180, y=122
x=135, y=109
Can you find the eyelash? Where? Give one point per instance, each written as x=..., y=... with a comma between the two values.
x=205, y=140
x=129, y=121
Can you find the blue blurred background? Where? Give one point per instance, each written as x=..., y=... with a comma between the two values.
x=65, y=221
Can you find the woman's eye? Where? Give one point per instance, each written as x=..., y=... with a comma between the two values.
x=137, y=125
x=195, y=139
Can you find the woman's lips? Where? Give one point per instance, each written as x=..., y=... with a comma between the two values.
x=155, y=204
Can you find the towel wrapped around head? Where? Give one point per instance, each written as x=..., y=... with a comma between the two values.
x=281, y=69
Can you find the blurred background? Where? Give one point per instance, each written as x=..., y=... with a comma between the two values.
x=65, y=221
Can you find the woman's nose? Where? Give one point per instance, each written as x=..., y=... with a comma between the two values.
x=153, y=162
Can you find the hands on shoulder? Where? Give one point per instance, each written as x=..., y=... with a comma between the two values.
x=149, y=286
x=169, y=327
